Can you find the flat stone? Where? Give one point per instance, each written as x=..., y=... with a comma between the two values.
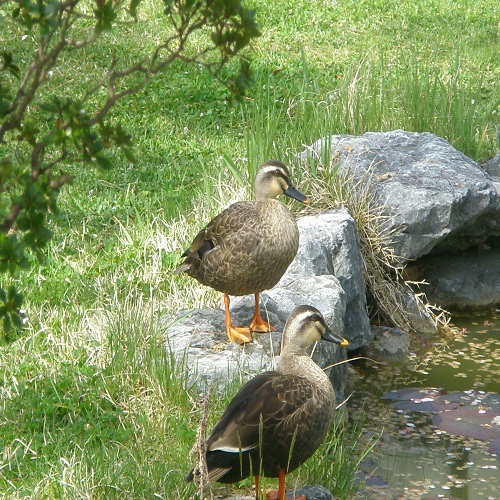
x=197, y=340
x=388, y=343
x=315, y=492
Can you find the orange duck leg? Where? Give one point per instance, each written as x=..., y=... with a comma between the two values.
x=279, y=494
x=240, y=335
x=258, y=324
x=236, y=335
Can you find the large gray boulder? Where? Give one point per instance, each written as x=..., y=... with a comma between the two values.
x=435, y=196
x=438, y=202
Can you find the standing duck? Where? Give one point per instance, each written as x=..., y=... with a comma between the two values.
x=248, y=247
x=278, y=419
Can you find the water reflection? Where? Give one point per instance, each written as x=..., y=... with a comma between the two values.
x=415, y=459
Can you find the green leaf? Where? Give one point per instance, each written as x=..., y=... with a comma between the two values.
x=105, y=15
x=5, y=169
x=104, y=162
x=129, y=154
x=8, y=64
x=17, y=320
x=133, y=8
x=7, y=325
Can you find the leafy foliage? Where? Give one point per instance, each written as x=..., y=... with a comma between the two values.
x=45, y=130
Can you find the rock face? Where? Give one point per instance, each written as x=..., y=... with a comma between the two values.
x=198, y=339
x=469, y=280
x=439, y=202
x=436, y=197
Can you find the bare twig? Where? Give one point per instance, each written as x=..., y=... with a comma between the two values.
x=199, y=450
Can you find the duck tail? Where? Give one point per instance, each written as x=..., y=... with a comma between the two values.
x=182, y=268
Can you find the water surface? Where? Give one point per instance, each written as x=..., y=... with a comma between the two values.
x=414, y=458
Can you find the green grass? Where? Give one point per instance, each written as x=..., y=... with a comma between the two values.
x=99, y=410
x=103, y=410
x=91, y=404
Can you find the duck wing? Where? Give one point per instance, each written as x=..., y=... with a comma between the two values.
x=267, y=402
x=219, y=231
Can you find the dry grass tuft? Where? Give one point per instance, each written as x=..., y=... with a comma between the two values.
x=383, y=269
x=440, y=316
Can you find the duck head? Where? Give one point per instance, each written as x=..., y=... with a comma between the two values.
x=304, y=326
x=272, y=180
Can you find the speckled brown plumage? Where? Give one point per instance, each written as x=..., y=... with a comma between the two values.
x=248, y=247
x=287, y=411
x=253, y=243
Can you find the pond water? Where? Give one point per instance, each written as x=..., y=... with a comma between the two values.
x=414, y=457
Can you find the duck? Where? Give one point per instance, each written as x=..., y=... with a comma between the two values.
x=278, y=419
x=247, y=248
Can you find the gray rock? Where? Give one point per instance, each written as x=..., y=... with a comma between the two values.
x=197, y=340
x=388, y=344
x=315, y=492
x=469, y=280
x=439, y=202
x=329, y=244
x=436, y=197
x=492, y=166
x=419, y=319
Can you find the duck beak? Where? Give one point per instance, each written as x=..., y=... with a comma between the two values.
x=336, y=339
x=296, y=195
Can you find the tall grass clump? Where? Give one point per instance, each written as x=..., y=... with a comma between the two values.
x=388, y=292
x=105, y=411
x=372, y=94
x=337, y=461
x=381, y=267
